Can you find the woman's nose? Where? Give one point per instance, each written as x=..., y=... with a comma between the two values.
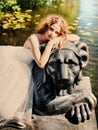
x=53, y=34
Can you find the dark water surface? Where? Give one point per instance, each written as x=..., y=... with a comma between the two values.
x=88, y=31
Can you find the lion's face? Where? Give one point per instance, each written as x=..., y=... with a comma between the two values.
x=63, y=67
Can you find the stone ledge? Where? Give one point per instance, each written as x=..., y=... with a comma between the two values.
x=59, y=122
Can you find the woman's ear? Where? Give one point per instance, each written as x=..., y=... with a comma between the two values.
x=83, y=53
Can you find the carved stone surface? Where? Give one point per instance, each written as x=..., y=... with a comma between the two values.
x=63, y=99
x=59, y=122
x=57, y=88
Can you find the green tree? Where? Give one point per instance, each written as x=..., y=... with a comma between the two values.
x=31, y=4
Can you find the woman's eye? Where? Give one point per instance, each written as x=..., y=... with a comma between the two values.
x=51, y=29
x=57, y=33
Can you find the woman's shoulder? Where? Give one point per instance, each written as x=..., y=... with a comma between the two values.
x=33, y=35
x=32, y=40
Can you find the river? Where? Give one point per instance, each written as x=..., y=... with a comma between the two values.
x=87, y=29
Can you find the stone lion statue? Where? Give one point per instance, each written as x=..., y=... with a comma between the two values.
x=57, y=89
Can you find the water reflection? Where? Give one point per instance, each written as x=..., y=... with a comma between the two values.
x=88, y=31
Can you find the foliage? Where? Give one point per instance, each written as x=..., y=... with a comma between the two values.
x=39, y=3
x=68, y=9
x=9, y=5
x=15, y=20
x=31, y=4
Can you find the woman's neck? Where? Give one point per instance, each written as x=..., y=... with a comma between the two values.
x=41, y=37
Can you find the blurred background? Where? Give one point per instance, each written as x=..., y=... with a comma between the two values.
x=20, y=18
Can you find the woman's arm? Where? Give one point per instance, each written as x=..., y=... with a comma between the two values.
x=32, y=43
x=74, y=38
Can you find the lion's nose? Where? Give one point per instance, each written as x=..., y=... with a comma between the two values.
x=64, y=72
x=63, y=81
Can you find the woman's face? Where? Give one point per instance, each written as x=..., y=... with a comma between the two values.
x=53, y=31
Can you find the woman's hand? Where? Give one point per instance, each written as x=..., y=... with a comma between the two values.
x=55, y=42
x=73, y=38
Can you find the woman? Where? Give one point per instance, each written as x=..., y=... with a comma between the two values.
x=52, y=32
x=16, y=86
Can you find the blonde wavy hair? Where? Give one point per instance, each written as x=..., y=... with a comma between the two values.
x=50, y=20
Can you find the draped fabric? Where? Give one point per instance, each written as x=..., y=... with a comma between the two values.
x=16, y=83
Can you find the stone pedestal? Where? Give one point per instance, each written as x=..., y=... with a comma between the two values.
x=59, y=122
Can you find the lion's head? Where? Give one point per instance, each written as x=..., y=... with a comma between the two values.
x=65, y=65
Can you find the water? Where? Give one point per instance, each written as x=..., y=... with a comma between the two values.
x=88, y=31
